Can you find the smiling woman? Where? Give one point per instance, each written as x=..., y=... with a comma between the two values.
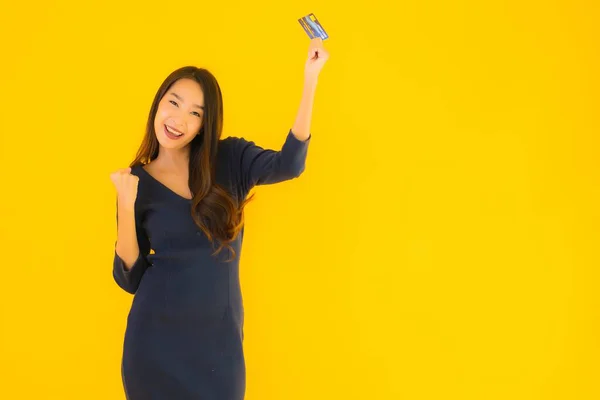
x=175, y=115
x=184, y=191
x=185, y=123
x=176, y=127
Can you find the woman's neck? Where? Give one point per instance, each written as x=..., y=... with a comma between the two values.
x=172, y=160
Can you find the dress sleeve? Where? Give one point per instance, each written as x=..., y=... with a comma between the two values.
x=254, y=165
x=129, y=280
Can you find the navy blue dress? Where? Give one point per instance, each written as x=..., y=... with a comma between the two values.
x=184, y=330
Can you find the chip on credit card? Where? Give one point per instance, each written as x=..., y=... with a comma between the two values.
x=313, y=28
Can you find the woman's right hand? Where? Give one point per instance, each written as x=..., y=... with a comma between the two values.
x=126, y=185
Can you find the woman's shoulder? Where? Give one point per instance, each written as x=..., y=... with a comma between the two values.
x=234, y=147
x=230, y=147
x=230, y=142
x=138, y=169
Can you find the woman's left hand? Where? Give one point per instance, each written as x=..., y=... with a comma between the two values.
x=317, y=56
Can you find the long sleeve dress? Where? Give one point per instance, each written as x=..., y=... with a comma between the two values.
x=184, y=331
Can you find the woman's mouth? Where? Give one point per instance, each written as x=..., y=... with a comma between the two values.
x=172, y=133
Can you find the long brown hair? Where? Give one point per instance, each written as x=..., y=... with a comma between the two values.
x=214, y=210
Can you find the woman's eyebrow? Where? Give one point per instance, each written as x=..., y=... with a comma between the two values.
x=180, y=99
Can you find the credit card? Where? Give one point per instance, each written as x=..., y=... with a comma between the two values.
x=312, y=27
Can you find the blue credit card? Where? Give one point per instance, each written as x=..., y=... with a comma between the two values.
x=312, y=27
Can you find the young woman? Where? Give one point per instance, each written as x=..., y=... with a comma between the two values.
x=179, y=235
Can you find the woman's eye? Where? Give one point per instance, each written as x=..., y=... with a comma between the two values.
x=172, y=102
x=198, y=114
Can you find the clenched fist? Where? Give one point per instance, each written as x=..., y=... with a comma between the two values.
x=127, y=186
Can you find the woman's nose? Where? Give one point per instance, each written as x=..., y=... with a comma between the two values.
x=178, y=124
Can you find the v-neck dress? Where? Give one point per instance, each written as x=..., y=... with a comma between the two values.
x=184, y=332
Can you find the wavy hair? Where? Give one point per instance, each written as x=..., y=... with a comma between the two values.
x=215, y=211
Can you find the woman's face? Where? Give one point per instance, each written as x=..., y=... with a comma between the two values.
x=180, y=114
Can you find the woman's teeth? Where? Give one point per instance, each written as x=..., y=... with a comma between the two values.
x=173, y=132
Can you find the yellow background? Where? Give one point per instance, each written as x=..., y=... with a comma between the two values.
x=441, y=244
